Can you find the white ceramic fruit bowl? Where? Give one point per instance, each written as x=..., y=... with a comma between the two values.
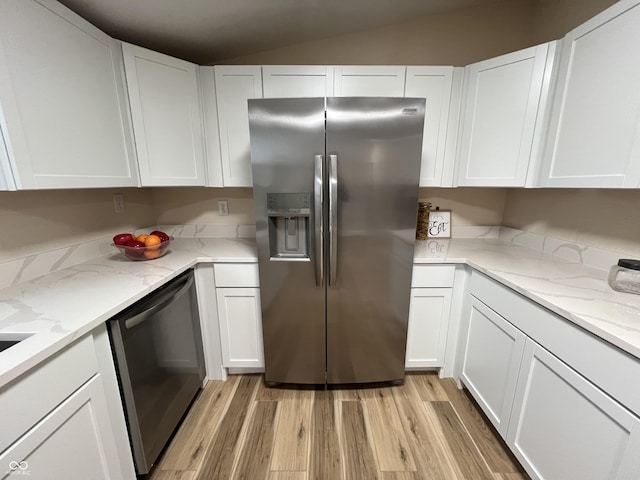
x=144, y=253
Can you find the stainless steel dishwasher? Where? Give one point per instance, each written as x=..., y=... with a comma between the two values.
x=158, y=352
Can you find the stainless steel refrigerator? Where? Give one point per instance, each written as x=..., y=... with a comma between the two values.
x=335, y=193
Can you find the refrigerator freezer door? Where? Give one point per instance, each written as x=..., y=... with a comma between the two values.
x=377, y=143
x=287, y=136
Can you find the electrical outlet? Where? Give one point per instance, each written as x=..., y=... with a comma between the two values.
x=223, y=208
x=118, y=202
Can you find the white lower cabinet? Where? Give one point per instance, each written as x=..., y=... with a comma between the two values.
x=492, y=356
x=564, y=427
x=240, y=327
x=428, y=325
x=542, y=384
x=429, y=312
x=64, y=418
x=72, y=442
x=239, y=314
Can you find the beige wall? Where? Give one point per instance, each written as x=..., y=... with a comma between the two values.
x=603, y=218
x=200, y=205
x=469, y=206
x=35, y=221
x=554, y=18
x=457, y=38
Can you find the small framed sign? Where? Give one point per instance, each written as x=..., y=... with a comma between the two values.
x=439, y=224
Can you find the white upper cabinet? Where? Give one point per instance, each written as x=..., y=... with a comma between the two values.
x=207, y=80
x=503, y=115
x=234, y=86
x=436, y=85
x=62, y=97
x=369, y=81
x=297, y=81
x=594, y=134
x=167, y=124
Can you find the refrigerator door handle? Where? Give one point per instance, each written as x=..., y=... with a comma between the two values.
x=333, y=219
x=318, y=228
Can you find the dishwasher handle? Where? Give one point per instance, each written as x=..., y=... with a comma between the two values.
x=172, y=294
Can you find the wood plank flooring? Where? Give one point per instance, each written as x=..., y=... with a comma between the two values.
x=425, y=429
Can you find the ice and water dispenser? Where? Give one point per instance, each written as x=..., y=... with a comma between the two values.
x=289, y=235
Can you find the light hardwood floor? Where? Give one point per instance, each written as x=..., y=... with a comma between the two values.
x=425, y=429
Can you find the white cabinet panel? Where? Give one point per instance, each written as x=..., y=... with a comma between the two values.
x=236, y=274
x=240, y=318
x=64, y=109
x=165, y=107
x=234, y=86
x=297, y=81
x=72, y=442
x=562, y=426
x=369, y=81
x=428, y=325
x=207, y=81
x=594, y=133
x=492, y=356
x=26, y=401
x=435, y=85
x=429, y=276
x=503, y=113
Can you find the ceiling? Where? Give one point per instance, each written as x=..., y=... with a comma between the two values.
x=206, y=31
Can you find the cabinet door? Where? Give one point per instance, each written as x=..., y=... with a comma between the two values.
x=492, y=356
x=64, y=109
x=234, y=86
x=165, y=108
x=73, y=442
x=369, y=81
x=505, y=101
x=434, y=84
x=428, y=326
x=297, y=81
x=594, y=131
x=207, y=81
x=240, y=327
x=562, y=426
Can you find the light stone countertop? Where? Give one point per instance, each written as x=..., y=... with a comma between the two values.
x=575, y=291
x=62, y=306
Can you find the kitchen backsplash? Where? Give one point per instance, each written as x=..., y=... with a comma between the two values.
x=204, y=230
x=34, y=265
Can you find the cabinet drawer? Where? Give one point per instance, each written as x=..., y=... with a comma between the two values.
x=436, y=276
x=29, y=398
x=236, y=275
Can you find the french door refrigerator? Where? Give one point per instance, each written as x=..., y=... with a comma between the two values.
x=335, y=193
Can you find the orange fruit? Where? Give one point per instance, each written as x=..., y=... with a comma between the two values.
x=152, y=241
x=151, y=254
x=142, y=237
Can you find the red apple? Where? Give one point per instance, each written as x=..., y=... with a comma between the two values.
x=163, y=236
x=122, y=238
x=135, y=249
